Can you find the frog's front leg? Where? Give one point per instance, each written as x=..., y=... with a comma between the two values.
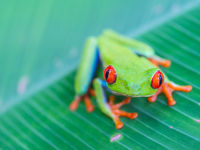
x=167, y=88
x=85, y=74
x=108, y=107
x=86, y=98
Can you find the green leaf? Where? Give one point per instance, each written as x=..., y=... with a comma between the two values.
x=41, y=119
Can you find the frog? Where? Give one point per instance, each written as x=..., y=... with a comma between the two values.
x=130, y=68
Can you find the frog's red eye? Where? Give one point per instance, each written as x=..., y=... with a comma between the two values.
x=110, y=75
x=157, y=80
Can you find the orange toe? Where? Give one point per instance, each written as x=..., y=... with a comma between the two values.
x=133, y=115
x=118, y=124
x=90, y=109
x=152, y=99
x=92, y=92
x=88, y=104
x=74, y=105
x=127, y=100
x=188, y=88
x=171, y=103
x=165, y=63
x=157, y=62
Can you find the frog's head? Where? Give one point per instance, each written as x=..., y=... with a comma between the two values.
x=124, y=81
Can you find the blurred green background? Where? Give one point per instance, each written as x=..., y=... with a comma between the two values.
x=40, y=47
x=40, y=39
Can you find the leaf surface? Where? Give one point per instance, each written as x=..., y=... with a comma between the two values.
x=41, y=119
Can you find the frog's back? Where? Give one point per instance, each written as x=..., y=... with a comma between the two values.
x=114, y=53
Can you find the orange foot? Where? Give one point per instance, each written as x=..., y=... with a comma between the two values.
x=167, y=89
x=119, y=113
x=89, y=106
x=156, y=62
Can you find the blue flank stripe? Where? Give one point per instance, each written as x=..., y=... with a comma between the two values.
x=95, y=62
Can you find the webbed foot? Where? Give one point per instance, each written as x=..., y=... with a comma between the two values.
x=119, y=113
x=89, y=106
x=167, y=89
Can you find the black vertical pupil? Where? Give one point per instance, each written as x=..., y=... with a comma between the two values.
x=160, y=79
x=107, y=74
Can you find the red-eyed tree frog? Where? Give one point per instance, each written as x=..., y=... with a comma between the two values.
x=130, y=69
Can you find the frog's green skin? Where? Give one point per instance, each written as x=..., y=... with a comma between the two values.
x=134, y=73
x=131, y=61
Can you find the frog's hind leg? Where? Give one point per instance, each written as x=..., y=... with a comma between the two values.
x=137, y=47
x=108, y=107
x=153, y=58
x=158, y=61
x=85, y=74
x=167, y=89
